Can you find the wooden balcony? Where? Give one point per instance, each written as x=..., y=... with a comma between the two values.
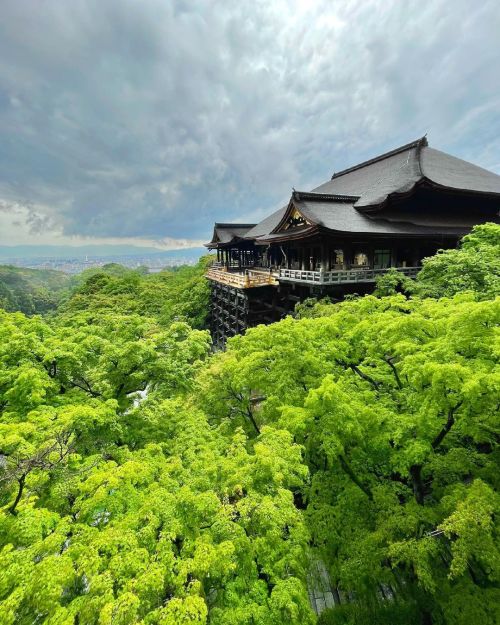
x=245, y=279
x=232, y=264
x=342, y=276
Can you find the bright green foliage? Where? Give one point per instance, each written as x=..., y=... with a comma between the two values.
x=247, y=385
x=163, y=534
x=475, y=266
x=392, y=282
x=111, y=356
x=394, y=613
x=396, y=403
x=188, y=295
x=144, y=481
x=171, y=295
x=119, y=514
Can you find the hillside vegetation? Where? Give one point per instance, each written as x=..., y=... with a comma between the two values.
x=31, y=291
x=146, y=480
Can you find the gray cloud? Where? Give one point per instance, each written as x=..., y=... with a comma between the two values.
x=153, y=119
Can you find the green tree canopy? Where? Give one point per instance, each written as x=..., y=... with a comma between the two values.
x=146, y=481
x=474, y=266
x=396, y=403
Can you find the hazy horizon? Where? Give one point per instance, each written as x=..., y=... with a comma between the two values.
x=27, y=251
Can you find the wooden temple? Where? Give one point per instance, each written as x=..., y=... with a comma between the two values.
x=389, y=212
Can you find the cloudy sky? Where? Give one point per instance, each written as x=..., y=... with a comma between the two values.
x=127, y=121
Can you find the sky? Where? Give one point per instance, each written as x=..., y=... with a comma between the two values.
x=144, y=122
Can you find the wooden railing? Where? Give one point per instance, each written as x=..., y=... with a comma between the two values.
x=232, y=264
x=344, y=276
x=243, y=280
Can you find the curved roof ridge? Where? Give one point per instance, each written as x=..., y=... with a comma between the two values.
x=422, y=144
x=233, y=225
x=413, y=144
x=311, y=195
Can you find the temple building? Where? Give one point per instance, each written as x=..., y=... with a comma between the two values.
x=389, y=212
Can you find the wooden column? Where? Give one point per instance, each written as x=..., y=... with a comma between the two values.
x=394, y=257
x=324, y=257
x=415, y=257
x=347, y=256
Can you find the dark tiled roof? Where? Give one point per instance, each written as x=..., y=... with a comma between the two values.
x=266, y=225
x=344, y=202
x=400, y=170
x=454, y=173
x=226, y=233
x=357, y=199
x=374, y=180
x=343, y=217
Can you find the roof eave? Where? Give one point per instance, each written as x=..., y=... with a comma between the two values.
x=300, y=196
x=423, y=182
x=290, y=235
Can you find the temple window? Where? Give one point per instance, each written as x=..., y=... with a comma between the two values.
x=382, y=259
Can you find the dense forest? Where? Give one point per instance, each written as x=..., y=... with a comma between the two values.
x=31, y=291
x=146, y=479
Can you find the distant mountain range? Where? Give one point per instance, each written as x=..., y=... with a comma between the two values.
x=94, y=251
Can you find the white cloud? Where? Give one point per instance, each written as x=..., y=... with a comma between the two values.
x=16, y=221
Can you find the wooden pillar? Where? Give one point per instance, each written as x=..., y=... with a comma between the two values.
x=371, y=256
x=415, y=257
x=347, y=256
x=324, y=257
x=394, y=257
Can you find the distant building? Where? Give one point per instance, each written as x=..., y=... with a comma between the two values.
x=390, y=211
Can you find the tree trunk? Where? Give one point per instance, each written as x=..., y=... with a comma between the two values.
x=348, y=469
x=418, y=487
x=21, y=481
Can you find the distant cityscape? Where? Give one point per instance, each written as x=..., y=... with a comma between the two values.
x=154, y=262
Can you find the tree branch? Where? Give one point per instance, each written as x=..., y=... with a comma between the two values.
x=364, y=376
x=389, y=361
x=20, y=481
x=247, y=412
x=252, y=420
x=446, y=427
x=346, y=467
x=87, y=388
x=361, y=374
x=418, y=487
